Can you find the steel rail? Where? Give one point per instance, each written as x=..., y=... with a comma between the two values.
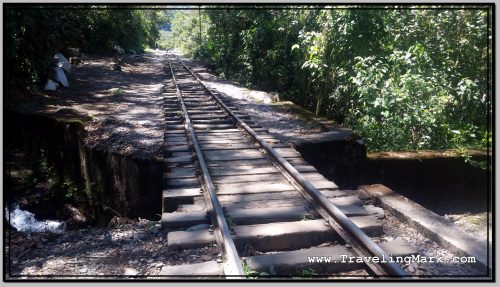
x=389, y=268
x=233, y=267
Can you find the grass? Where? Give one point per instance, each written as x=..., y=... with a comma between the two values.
x=249, y=273
x=117, y=91
x=230, y=220
x=477, y=219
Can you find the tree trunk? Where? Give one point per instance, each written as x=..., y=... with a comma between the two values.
x=199, y=20
x=308, y=93
x=226, y=69
x=318, y=105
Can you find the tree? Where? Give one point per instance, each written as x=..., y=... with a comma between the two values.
x=403, y=78
x=35, y=33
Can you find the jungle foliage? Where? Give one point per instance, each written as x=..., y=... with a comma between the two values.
x=403, y=78
x=34, y=33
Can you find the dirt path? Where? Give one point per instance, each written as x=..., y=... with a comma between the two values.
x=123, y=113
x=136, y=248
x=122, y=109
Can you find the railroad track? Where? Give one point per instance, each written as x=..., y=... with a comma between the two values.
x=248, y=204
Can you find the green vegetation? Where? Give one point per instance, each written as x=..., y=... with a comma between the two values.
x=187, y=36
x=165, y=41
x=230, y=221
x=34, y=33
x=57, y=184
x=403, y=78
x=307, y=272
x=249, y=273
x=117, y=91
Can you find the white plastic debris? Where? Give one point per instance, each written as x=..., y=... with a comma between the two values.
x=60, y=77
x=63, y=62
x=60, y=57
x=24, y=220
x=50, y=85
x=66, y=66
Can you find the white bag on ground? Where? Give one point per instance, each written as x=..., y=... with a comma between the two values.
x=50, y=85
x=60, y=77
x=66, y=66
x=60, y=57
x=63, y=62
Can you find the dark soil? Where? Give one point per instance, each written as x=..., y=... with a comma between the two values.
x=126, y=247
